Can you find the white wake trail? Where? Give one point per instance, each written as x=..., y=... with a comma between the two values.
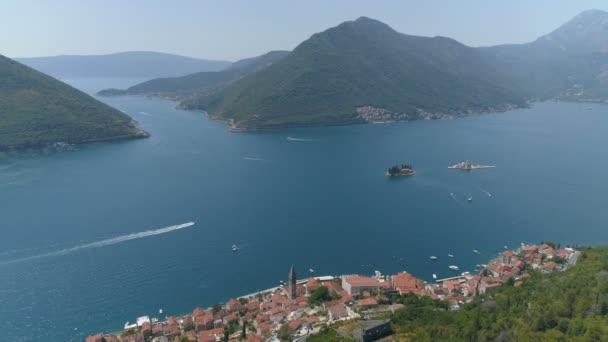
x=144, y=113
x=103, y=243
x=298, y=139
x=254, y=159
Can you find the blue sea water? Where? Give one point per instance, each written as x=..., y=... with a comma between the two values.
x=318, y=201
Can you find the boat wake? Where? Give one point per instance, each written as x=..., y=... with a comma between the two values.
x=298, y=139
x=144, y=113
x=254, y=159
x=102, y=243
x=485, y=192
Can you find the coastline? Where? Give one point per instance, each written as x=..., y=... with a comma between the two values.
x=289, y=304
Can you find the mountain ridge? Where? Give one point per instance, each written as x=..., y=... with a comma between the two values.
x=365, y=71
x=141, y=64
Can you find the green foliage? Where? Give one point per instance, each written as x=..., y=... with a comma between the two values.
x=320, y=295
x=128, y=332
x=364, y=63
x=561, y=306
x=284, y=333
x=38, y=110
x=397, y=169
x=216, y=307
x=243, y=301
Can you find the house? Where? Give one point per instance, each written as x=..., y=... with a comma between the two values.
x=406, y=283
x=210, y=335
x=233, y=305
x=507, y=257
x=372, y=330
x=530, y=249
x=294, y=325
x=368, y=302
x=233, y=317
x=204, y=322
x=550, y=266
x=96, y=338
x=337, y=312
x=356, y=284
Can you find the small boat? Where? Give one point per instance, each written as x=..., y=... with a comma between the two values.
x=433, y=257
x=434, y=276
x=160, y=311
x=311, y=270
x=235, y=248
x=470, y=199
x=476, y=251
x=484, y=265
x=505, y=246
x=453, y=267
x=451, y=255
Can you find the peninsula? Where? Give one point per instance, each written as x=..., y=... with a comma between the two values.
x=37, y=110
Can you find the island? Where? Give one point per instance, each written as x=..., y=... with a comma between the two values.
x=467, y=166
x=400, y=170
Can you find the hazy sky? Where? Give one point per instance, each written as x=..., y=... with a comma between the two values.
x=231, y=29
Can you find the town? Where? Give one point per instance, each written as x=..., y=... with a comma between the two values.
x=302, y=308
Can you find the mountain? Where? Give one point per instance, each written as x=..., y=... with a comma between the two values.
x=363, y=71
x=201, y=83
x=38, y=110
x=125, y=64
x=570, y=63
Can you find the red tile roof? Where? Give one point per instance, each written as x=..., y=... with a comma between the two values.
x=368, y=302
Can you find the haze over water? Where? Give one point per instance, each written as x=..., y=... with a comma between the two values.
x=318, y=200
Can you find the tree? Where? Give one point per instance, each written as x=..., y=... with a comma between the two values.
x=284, y=332
x=226, y=335
x=319, y=295
x=216, y=307
x=244, y=331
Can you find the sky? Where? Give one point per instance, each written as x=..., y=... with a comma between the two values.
x=235, y=29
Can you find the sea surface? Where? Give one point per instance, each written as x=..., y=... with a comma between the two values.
x=81, y=250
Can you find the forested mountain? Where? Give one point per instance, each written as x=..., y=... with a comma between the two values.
x=140, y=64
x=364, y=71
x=38, y=110
x=201, y=83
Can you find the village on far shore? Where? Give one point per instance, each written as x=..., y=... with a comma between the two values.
x=301, y=308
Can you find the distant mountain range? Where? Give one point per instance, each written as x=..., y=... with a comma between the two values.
x=138, y=64
x=37, y=110
x=199, y=84
x=364, y=71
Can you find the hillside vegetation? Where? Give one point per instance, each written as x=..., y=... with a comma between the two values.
x=200, y=83
x=561, y=306
x=365, y=65
x=38, y=110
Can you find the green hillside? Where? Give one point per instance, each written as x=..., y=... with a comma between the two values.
x=367, y=65
x=38, y=110
x=201, y=83
x=561, y=306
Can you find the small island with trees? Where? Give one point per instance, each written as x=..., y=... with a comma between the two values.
x=400, y=170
